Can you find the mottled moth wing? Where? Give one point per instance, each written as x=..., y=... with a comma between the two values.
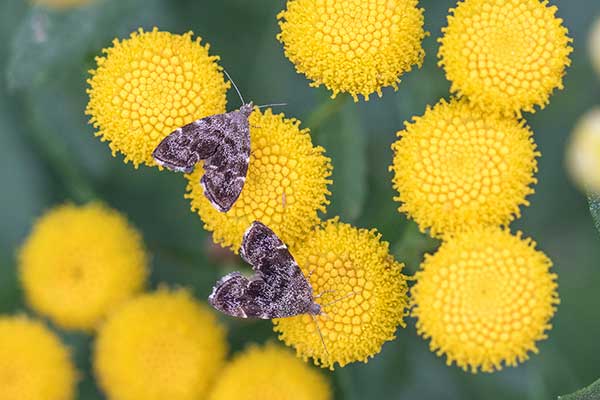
x=277, y=290
x=225, y=170
x=223, y=141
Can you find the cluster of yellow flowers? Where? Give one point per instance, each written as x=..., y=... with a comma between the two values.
x=158, y=73
x=83, y=266
x=462, y=171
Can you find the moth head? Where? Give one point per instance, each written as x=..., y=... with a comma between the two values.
x=315, y=309
x=176, y=153
x=247, y=109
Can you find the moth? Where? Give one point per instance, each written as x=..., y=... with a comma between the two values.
x=278, y=289
x=223, y=142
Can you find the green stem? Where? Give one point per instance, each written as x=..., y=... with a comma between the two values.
x=326, y=110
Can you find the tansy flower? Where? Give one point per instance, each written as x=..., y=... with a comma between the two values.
x=360, y=289
x=286, y=184
x=147, y=86
x=484, y=299
x=80, y=262
x=583, y=152
x=269, y=373
x=505, y=55
x=457, y=167
x=163, y=345
x=353, y=46
x=594, y=45
x=34, y=364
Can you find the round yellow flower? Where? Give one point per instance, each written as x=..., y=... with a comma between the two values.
x=505, y=55
x=594, y=45
x=163, y=345
x=583, y=152
x=79, y=262
x=286, y=184
x=34, y=364
x=147, y=86
x=353, y=46
x=269, y=373
x=360, y=289
x=457, y=167
x=484, y=299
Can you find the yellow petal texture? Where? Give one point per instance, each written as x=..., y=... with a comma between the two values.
x=79, y=262
x=353, y=46
x=583, y=152
x=147, y=86
x=485, y=298
x=505, y=55
x=163, y=345
x=34, y=364
x=458, y=167
x=269, y=373
x=361, y=290
x=286, y=184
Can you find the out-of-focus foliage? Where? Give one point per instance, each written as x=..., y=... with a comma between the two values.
x=595, y=209
x=591, y=392
x=48, y=154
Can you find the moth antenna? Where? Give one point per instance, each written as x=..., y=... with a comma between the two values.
x=234, y=86
x=324, y=293
x=272, y=105
x=320, y=334
x=340, y=299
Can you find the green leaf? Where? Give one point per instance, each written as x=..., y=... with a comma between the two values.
x=594, y=201
x=591, y=392
x=344, y=142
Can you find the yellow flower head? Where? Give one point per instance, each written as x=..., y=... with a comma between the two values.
x=505, y=55
x=34, y=364
x=79, y=262
x=362, y=294
x=583, y=153
x=457, y=167
x=269, y=373
x=353, y=46
x=147, y=86
x=484, y=299
x=286, y=184
x=163, y=345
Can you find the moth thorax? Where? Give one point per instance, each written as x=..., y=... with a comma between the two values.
x=314, y=309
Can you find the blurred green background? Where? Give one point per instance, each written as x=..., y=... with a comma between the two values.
x=49, y=155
